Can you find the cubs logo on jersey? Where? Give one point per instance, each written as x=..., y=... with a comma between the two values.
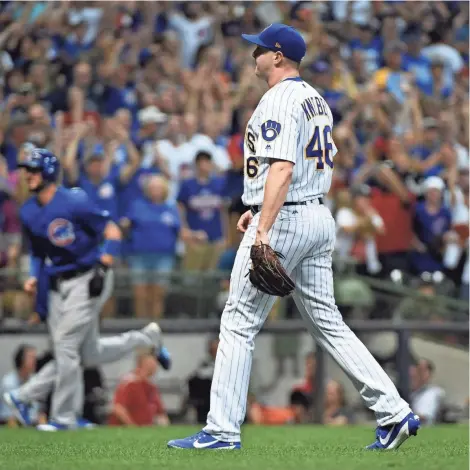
x=106, y=191
x=168, y=219
x=61, y=233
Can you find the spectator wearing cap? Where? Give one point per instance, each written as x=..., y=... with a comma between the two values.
x=414, y=60
x=431, y=222
x=153, y=227
x=357, y=227
x=150, y=122
x=201, y=201
x=211, y=140
x=150, y=119
x=137, y=400
x=25, y=366
x=368, y=45
x=98, y=176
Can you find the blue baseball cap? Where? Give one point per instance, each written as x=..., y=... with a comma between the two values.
x=97, y=153
x=280, y=38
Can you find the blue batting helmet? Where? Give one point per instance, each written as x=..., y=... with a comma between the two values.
x=44, y=162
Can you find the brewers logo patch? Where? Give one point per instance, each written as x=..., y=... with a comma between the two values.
x=270, y=130
x=60, y=232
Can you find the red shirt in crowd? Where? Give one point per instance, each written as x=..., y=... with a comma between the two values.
x=140, y=398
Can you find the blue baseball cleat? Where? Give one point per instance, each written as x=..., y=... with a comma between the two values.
x=164, y=358
x=52, y=426
x=202, y=440
x=83, y=423
x=19, y=408
x=392, y=437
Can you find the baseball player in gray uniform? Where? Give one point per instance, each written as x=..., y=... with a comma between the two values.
x=289, y=158
x=74, y=244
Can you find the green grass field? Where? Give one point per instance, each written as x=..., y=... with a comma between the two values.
x=273, y=448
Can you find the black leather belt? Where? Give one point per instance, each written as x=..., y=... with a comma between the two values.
x=256, y=209
x=67, y=275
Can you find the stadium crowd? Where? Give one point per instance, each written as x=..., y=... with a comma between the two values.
x=146, y=104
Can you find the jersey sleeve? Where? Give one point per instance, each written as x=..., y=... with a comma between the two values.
x=88, y=213
x=280, y=125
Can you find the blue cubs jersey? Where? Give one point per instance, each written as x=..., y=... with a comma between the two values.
x=203, y=203
x=155, y=227
x=67, y=232
x=105, y=193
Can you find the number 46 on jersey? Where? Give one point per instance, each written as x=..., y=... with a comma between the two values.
x=320, y=147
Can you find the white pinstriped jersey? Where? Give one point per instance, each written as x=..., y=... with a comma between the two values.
x=291, y=122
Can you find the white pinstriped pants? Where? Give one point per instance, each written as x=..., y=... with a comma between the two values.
x=305, y=235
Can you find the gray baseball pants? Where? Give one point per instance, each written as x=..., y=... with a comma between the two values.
x=73, y=323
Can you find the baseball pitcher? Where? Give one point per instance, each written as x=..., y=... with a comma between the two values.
x=289, y=236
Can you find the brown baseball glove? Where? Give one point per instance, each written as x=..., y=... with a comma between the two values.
x=267, y=273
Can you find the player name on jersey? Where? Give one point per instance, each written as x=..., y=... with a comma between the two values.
x=314, y=106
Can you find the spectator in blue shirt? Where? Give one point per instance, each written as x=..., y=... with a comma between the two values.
x=153, y=227
x=369, y=45
x=76, y=44
x=440, y=86
x=414, y=60
x=431, y=224
x=121, y=93
x=150, y=119
x=426, y=150
x=202, y=204
x=25, y=366
x=98, y=176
